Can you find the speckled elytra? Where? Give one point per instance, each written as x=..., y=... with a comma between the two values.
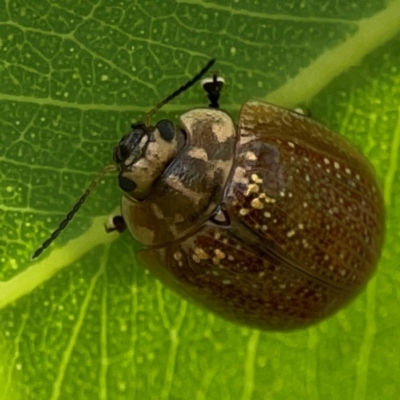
x=275, y=222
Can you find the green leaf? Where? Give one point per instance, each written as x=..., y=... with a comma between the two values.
x=86, y=321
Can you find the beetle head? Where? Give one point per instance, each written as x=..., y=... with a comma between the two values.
x=143, y=154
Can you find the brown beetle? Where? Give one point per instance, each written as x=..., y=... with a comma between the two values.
x=275, y=223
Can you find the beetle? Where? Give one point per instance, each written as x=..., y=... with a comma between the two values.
x=276, y=222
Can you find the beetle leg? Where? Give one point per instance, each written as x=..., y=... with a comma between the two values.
x=213, y=87
x=115, y=223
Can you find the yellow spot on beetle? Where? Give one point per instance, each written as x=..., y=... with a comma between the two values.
x=256, y=203
x=252, y=188
x=250, y=156
x=290, y=233
x=215, y=260
x=269, y=200
x=217, y=236
x=178, y=255
x=219, y=254
x=201, y=254
x=255, y=178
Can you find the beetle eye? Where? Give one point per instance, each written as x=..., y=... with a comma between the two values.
x=127, y=185
x=123, y=152
x=166, y=129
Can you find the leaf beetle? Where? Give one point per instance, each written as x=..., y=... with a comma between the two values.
x=275, y=222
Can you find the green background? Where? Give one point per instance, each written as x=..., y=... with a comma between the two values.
x=87, y=322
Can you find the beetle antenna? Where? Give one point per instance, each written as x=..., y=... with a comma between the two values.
x=75, y=208
x=187, y=85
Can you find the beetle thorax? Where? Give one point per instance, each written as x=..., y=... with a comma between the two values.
x=143, y=154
